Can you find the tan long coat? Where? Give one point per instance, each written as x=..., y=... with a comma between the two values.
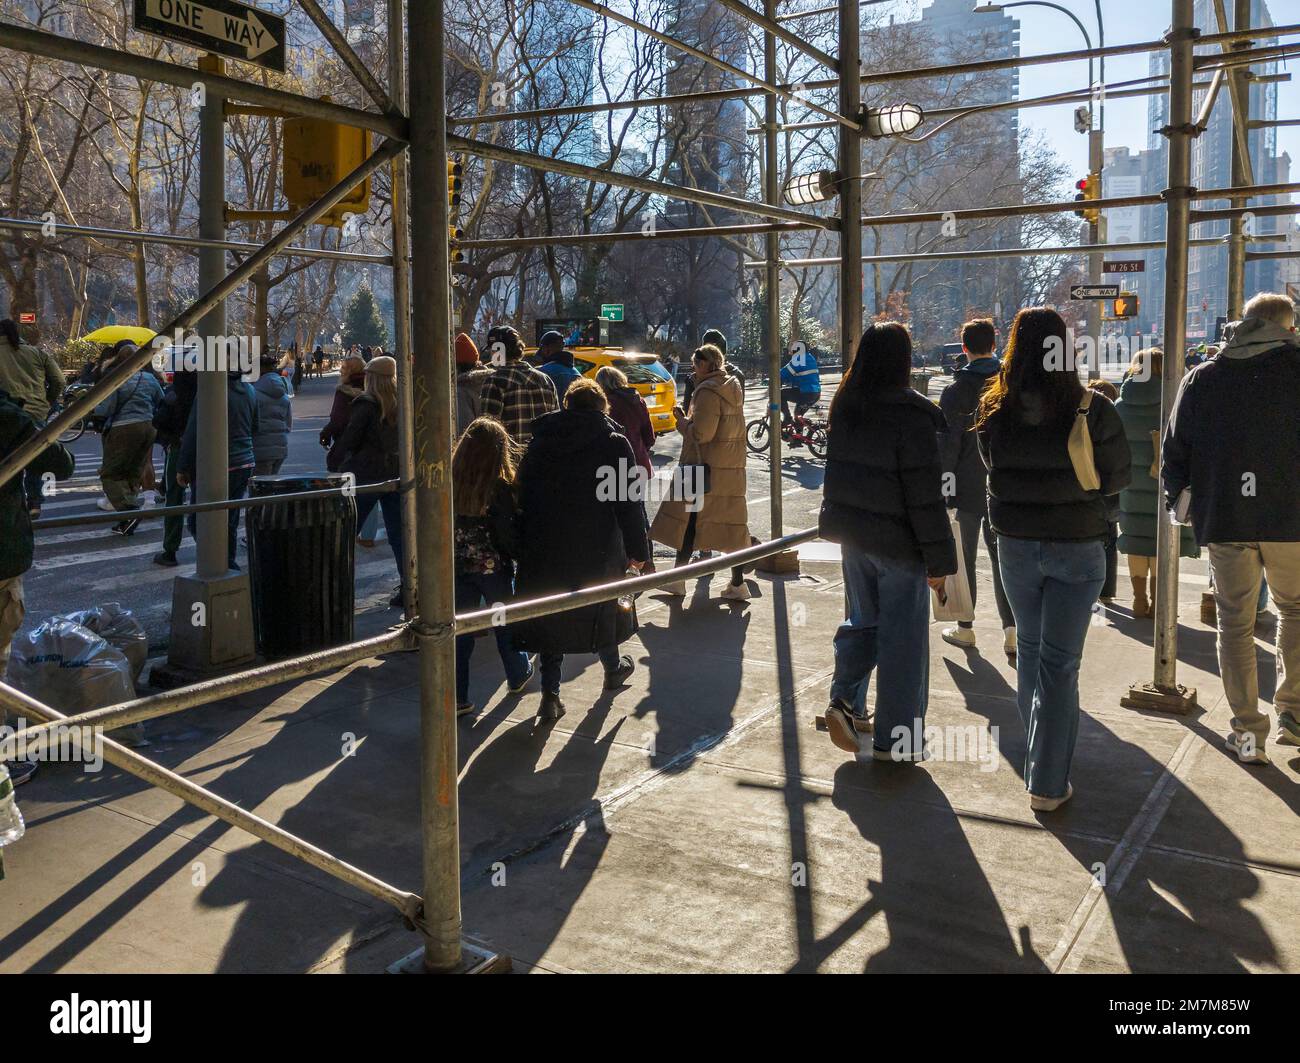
x=715, y=435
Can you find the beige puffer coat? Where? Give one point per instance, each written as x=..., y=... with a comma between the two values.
x=714, y=433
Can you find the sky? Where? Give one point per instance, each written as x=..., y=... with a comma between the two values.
x=1043, y=30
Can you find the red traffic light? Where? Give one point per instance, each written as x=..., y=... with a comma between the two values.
x=1081, y=184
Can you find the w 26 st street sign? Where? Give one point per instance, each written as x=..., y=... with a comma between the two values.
x=225, y=27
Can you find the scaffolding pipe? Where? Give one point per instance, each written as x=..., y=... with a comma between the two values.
x=850, y=170
x=53, y=46
x=772, y=281
x=207, y=507
x=334, y=36
x=1242, y=166
x=639, y=184
x=169, y=702
x=435, y=621
x=125, y=368
x=195, y=243
x=1006, y=252
x=702, y=232
x=401, y=223
x=191, y=793
x=712, y=60
x=1182, y=38
x=772, y=28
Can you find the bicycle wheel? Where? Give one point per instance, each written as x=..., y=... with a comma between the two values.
x=756, y=437
x=817, y=440
x=73, y=432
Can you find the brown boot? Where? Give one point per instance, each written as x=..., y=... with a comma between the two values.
x=1209, y=617
x=1141, y=604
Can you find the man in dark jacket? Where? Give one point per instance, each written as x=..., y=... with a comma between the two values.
x=965, y=480
x=1232, y=442
x=16, y=538
x=170, y=420
x=242, y=422
x=563, y=502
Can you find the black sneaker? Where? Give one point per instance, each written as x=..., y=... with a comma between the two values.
x=618, y=677
x=167, y=559
x=844, y=727
x=552, y=708
x=127, y=527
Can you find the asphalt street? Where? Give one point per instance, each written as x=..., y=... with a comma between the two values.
x=80, y=567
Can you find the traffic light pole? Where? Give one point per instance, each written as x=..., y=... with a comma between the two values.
x=1096, y=235
x=212, y=622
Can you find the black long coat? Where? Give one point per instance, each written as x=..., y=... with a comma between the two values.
x=578, y=527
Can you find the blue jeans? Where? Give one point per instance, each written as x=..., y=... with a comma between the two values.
x=473, y=589
x=390, y=505
x=551, y=662
x=887, y=627
x=1052, y=587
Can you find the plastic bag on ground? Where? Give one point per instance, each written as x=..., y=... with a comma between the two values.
x=117, y=626
x=69, y=667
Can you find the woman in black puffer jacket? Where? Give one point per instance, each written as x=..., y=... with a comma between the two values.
x=883, y=503
x=1051, y=531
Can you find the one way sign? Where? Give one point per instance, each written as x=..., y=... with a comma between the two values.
x=1095, y=291
x=221, y=26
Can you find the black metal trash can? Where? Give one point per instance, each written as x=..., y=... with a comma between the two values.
x=301, y=558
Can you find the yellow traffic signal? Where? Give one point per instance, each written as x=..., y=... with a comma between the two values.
x=1089, y=188
x=317, y=156
x=454, y=173
x=455, y=234
x=1126, y=305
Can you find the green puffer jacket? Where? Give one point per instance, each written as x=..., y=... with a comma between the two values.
x=16, y=427
x=1139, y=409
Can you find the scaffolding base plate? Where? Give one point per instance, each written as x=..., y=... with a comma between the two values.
x=475, y=958
x=785, y=563
x=1179, y=700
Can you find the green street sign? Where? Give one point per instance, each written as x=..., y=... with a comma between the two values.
x=612, y=311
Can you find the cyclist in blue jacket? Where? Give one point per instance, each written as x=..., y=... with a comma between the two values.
x=801, y=381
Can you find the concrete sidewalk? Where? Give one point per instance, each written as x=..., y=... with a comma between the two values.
x=694, y=821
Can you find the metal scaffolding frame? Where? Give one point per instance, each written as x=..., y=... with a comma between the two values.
x=427, y=388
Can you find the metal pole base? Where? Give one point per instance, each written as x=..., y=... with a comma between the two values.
x=1180, y=699
x=212, y=624
x=785, y=563
x=475, y=958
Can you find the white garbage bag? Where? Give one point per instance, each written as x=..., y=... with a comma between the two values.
x=69, y=667
x=118, y=627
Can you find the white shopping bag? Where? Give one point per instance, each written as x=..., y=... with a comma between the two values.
x=954, y=601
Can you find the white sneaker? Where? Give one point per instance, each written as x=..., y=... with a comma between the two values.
x=677, y=590
x=736, y=593
x=1247, y=749
x=106, y=506
x=1050, y=804
x=960, y=636
x=1009, y=643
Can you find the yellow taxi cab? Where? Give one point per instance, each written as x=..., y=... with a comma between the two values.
x=643, y=371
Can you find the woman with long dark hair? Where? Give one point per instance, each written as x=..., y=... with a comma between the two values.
x=1051, y=530
x=883, y=503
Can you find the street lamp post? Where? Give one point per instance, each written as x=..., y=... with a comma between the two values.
x=1096, y=150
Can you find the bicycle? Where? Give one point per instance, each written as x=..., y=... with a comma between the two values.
x=78, y=427
x=802, y=430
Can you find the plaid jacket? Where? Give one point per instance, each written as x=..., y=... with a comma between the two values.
x=515, y=394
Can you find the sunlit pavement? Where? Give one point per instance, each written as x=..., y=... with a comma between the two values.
x=694, y=821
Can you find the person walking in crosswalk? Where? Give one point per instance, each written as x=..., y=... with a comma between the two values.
x=128, y=436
